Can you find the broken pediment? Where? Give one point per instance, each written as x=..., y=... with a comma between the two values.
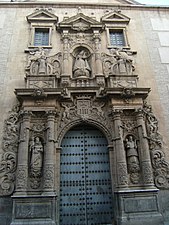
x=80, y=22
x=115, y=17
x=129, y=2
x=42, y=15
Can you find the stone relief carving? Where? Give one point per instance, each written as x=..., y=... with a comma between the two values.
x=118, y=62
x=9, y=148
x=147, y=171
x=48, y=176
x=81, y=66
x=80, y=38
x=21, y=177
x=39, y=64
x=123, y=179
x=125, y=83
x=160, y=165
x=132, y=159
x=154, y=137
x=84, y=107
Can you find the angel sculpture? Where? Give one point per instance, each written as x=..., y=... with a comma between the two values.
x=41, y=64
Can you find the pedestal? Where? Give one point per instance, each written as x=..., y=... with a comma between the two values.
x=138, y=207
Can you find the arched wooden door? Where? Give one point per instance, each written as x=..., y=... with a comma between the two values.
x=85, y=185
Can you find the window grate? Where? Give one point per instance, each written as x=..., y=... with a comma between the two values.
x=41, y=37
x=117, y=38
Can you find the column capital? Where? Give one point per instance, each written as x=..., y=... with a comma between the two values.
x=139, y=112
x=51, y=113
x=25, y=114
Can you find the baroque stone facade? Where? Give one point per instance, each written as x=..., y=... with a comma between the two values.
x=83, y=70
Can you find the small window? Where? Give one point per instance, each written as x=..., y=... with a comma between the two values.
x=41, y=37
x=117, y=38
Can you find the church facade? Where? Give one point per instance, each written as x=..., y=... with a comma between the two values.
x=84, y=113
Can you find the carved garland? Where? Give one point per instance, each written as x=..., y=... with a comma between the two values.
x=9, y=148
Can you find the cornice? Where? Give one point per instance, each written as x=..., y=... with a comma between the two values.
x=74, y=4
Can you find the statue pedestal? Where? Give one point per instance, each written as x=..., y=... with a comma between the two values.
x=138, y=207
x=34, y=210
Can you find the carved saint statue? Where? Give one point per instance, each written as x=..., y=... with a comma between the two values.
x=132, y=159
x=81, y=66
x=36, y=149
x=131, y=153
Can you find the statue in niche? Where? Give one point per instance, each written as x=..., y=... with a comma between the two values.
x=132, y=158
x=36, y=159
x=81, y=66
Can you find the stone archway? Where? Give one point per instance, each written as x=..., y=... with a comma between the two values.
x=85, y=180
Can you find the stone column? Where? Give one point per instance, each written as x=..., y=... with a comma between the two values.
x=65, y=39
x=98, y=61
x=121, y=164
x=22, y=166
x=145, y=160
x=58, y=151
x=112, y=163
x=49, y=156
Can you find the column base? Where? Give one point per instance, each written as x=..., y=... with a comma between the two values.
x=34, y=210
x=138, y=207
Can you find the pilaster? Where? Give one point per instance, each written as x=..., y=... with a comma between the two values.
x=145, y=160
x=49, y=157
x=22, y=168
x=121, y=165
